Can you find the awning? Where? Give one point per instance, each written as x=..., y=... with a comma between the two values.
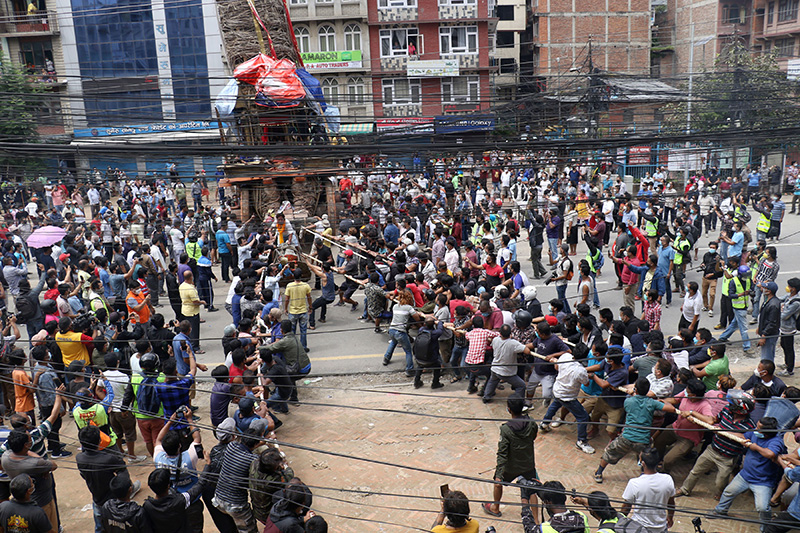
x=356, y=129
x=227, y=182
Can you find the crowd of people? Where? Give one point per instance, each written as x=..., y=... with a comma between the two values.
x=429, y=256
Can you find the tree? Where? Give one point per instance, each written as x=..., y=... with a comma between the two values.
x=744, y=90
x=20, y=99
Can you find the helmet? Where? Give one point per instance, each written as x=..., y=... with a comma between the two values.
x=741, y=402
x=429, y=294
x=522, y=319
x=744, y=271
x=49, y=307
x=148, y=362
x=529, y=292
x=412, y=250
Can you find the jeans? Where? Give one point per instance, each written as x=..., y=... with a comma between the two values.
x=302, y=319
x=573, y=406
x=768, y=350
x=738, y=485
x=457, y=359
x=34, y=327
x=98, y=523
x=553, y=244
x=561, y=291
x=400, y=337
x=595, y=297
x=740, y=320
x=476, y=371
x=321, y=304
x=756, y=301
x=723, y=251
x=515, y=381
x=198, y=201
x=278, y=402
x=225, y=259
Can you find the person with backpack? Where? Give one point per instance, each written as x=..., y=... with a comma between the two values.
x=790, y=317
x=142, y=399
x=426, y=352
x=562, y=520
x=29, y=312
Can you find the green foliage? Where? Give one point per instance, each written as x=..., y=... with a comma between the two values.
x=19, y=101
x=744, y=90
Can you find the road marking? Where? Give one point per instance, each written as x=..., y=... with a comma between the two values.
x=345, y=357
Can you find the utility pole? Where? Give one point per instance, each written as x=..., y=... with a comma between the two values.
x=592, y=100
x=689, y=105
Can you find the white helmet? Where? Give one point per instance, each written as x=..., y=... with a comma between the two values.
x=412, y=250
x=529, y=293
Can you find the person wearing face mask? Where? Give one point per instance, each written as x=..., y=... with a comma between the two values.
x=738, y=290
x=790, y=312
x=710, y=267
x=769, y=321
x=776, y=217
x=562, y=520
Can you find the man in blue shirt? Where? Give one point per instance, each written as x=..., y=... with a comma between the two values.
x=760, y=473
x=735, y=241
x=753, y=180
x=789, y=519
x=666, y=256
x=391, y=233
x=224, y=249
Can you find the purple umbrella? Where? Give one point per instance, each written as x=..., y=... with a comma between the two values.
x=46, y=236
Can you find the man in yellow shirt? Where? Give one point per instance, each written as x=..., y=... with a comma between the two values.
x=190, y=308
x=296, y=303
x=73, y=344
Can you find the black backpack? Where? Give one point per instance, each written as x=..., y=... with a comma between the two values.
x=26, y=308
x=425, y=348
x=623, y=525
x=147, y=399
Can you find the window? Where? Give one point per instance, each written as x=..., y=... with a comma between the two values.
x=627, y=116
x=784, y=47
x=298, y=2
x=458, y=39
x=401, y=91
x=508, y=65
x=35, y=53
x=733, y=14
x=505, y=39
x=352, y=37
x=787, y=10
x=399, y=42
x=505, y=12
x=327, y=39
x=457, y=2
x=324, y=1
x=355, y=90
x=770, y=12
x=388, y=4
x=460, y=90
x=330, y=88
x=303, y=39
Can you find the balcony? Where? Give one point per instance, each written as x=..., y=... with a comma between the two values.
x=42, y=23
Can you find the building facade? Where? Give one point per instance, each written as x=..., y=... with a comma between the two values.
x=431, y=59
x=333, y=38
x=509, y=44
x=618, y=29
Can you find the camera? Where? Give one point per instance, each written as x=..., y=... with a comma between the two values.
x=698, y=525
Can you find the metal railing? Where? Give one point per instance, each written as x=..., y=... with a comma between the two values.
x=43, y=22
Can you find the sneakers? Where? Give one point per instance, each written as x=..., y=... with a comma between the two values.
x=704, y=309
x=437, y=385
x=545, y=428
x=385, y=362
x=472, y=389
x=136, y=459
x=710, y=313
x=714, y=515
x=719, y=326
x=355, y=306
x=748, y=352
x=137, y=486
x=666, y=305
x=417, y=384
x=584, y=446
x=598, y=477
x=61, y=454
x=786, y=373
x=753, y=320
x=556, y=422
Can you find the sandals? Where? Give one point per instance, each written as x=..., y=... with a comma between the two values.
x=488, y=510
x=455, y=379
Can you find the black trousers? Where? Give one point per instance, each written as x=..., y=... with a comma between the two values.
x=787, y=343
x=195, y=335
x=726, y=314
x=53, y=441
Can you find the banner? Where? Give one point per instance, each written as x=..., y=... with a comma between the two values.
x=160, y=127
x=639, y=155
x=404, y=126
x=344, y=59
x=461, y=124
x=432, y=68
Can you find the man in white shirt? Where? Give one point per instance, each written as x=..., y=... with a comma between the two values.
x=691, y=308
x=571, y=375
x=650, y=497
x=94, y=200
x=176, y=235
x=504, y=364
x=122, y=422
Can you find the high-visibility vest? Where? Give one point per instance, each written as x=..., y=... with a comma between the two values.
x=593, y=260
x=194, y=250
x=679, y=244
x=547, y=528
x=740, y=302
x=763, y=224
x=726, y=281
x=651, y=227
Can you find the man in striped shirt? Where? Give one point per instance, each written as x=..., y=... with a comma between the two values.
x=767, y=272
x=231, y=496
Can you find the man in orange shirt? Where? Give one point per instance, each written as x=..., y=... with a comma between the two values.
x=23, y=391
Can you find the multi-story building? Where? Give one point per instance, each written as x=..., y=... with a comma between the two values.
x=776, y=28
x=431, y=59
x=512, y=27
x=333, y=38
x=34, y=42
x=618, y=29
x=142, y=70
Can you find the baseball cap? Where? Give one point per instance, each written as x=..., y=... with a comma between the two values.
x=259, y=427
x=247, y=405
x=772, y=287
x=76, y=366
x=63, y=257
x=348, y=253
x=226, y=430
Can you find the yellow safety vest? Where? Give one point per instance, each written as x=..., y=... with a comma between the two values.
x=591, y=260
x=194, y=250
x=740, y=302
x=651, y=227
x=725, y=281
x=763, y=224
x=679, y=243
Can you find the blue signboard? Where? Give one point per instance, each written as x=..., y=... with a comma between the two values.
x=463, y=124
x=160, y=127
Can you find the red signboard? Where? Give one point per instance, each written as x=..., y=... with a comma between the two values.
x=639, y=155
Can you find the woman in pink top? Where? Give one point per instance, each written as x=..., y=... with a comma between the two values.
x=58, y=198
